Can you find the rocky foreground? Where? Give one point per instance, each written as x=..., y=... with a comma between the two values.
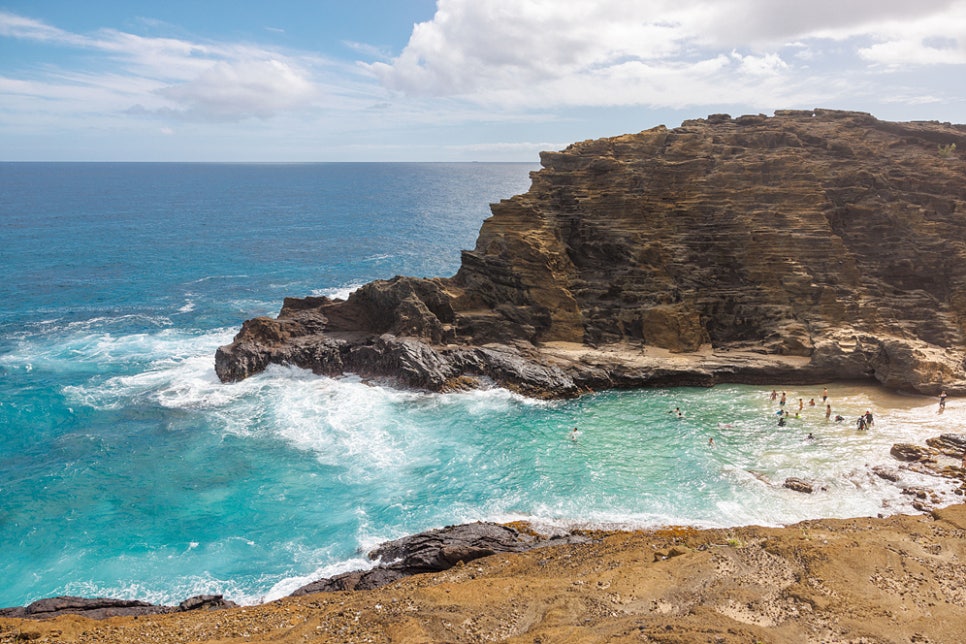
x=898, y=579
x=809, y=246
x=895, y=579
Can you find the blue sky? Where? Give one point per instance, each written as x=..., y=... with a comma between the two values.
x=447, y=80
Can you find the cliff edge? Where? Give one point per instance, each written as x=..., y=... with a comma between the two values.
x=805, y=247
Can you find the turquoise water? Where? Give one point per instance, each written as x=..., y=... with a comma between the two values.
x=128, y=470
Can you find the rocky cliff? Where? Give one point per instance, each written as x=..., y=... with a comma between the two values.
x=808, y=246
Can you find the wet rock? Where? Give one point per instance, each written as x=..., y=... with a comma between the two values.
x=949, y=444
x=887, y=473
x=911, y=453
x=798, y=485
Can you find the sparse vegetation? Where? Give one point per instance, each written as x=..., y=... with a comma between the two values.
x=947, y=151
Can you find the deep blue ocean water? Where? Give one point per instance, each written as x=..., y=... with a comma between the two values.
x=128, y=470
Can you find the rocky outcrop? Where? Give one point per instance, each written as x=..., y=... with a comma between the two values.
x=949, y=444
x=434, y=551
x=808, y=246
x=104, y=607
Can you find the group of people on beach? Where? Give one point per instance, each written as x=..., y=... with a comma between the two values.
x=863, y=422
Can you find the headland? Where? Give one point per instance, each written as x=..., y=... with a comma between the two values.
x=805, y=247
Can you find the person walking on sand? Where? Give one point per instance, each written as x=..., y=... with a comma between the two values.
x=942, y=400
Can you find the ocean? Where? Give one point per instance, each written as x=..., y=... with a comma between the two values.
x=128, y=470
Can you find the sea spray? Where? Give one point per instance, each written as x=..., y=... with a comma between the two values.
x=128, y=470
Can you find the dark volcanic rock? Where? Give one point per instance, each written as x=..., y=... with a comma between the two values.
x=99, y=608
x=434, y=551
x=805, y=247
x=102, y=607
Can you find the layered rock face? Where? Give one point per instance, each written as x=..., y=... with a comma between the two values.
x=804, y=247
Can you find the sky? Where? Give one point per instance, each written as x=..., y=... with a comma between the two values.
x=447, y=80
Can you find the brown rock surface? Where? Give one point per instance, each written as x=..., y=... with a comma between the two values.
x=897, y=579
x=808, y=246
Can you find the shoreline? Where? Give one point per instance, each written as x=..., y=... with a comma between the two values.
x=827, y=580
x=852, y=392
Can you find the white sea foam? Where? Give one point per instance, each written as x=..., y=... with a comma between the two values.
x=339, y=292
x=288, y=585
x=178, y=369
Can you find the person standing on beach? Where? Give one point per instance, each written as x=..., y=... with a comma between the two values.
x=942, y=400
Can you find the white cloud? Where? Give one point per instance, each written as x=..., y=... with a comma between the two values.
x=242, y=89
x=206, y=81
x=519, y=53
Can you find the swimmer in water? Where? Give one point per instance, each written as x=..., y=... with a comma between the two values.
x=573, y=434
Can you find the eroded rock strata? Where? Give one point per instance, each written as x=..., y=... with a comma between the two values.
x=808, y=246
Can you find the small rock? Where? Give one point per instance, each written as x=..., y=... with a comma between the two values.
x=798, y=485
x=886, y=473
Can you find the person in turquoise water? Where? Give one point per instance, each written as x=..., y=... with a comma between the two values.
x=828, y=411
x=573, y=434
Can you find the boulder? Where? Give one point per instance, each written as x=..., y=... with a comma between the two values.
x=911, y=453
x=798, y=485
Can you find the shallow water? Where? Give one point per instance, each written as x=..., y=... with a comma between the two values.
x=128, y=470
